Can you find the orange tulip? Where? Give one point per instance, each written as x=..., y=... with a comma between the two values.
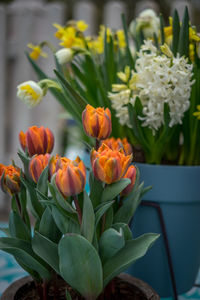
x=57, y=162
x=37, y=140
x=37, y=164
x=11, y=181
x=131, y=174
x=109, y=165
x=117, y=144
x=97, y=122
x=71, y=179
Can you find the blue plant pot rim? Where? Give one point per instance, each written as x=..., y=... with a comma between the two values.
x=171, y=184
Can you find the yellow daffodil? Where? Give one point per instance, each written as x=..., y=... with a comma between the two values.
x=197, y=113
x=37, y=51
x=81, y=25
x=121, y=38
x=60, y=31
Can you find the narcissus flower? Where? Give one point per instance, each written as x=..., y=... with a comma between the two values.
x=117, y=144
x=10, y=182
x=97, y=122
x=36, y=51
x=109, y=165
x=37, y=140
x=81, y=25
x=30, y=93
x=37, y=164
x=64, y=55
x=71, y=179
x=131, y=174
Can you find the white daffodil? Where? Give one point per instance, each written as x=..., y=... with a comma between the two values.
x=30, y=93
x=148, y=22
x=64, y=55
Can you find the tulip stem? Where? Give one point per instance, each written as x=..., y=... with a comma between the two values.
x=18, y=204
x=78, y=209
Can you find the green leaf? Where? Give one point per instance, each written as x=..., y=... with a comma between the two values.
x=112, y=190
x=42, y=185
x=88, y=218
x=5, y=230
x=128, y=52
x=48, y=227
x=61, y=201
x=126, y=230
x=183, y=47
x=176, y=31
x=80, y=266
x=18, y=228
x=80, y=101
x=96, y=189
x=127, y=210
x=162, y=29
x=22, y=251
x=101, y=210
x=111, y=241
x=132, y=251
x=65, y=223
x=68, y=296
x=38, y=71
x=47, y=250
x=36, y=205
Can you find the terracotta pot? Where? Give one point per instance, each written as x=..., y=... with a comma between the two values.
x=141, y=290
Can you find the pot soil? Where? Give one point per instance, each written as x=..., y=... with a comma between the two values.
x=124, y=287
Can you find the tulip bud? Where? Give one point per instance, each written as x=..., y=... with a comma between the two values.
x=30, y=93
x=71, y=179
x=37, y=164
x=37, y=140
x=117, y=144
x=131, y=174
x=109, y=165
x=10, y=183
x=97, y=122
x=64, y=55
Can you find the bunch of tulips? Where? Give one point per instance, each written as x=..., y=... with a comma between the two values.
x=74, y=233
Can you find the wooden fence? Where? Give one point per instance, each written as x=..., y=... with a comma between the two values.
x=25, y=21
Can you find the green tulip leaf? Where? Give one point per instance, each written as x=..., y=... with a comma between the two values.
x=18, y=228
x=96, y=189
x=88, y=218
x=101, y=210
x=46, y=249
x=126, y=230
x=65, y=223
x=111, y=241
x=48, y=227
x=42, y=182
x=22, y=251
x=132, y=251
x=80, y=266
x=112, y=190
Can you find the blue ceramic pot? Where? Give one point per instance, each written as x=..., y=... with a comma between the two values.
x=177, y=190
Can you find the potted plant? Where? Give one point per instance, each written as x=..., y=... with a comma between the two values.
x=149, y=79
x=78, y=243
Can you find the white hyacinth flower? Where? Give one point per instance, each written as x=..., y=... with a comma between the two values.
x=30, y=93
x=157, y=79
x=64, y=55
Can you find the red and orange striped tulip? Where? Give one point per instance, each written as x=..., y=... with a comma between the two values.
x=57, y=162
x=131, y=174
x=71, y=179
x=109, y=165
x=117, y=144
x=37, y=140
x=10, y=183
x=37, y=164
x=97, y=122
